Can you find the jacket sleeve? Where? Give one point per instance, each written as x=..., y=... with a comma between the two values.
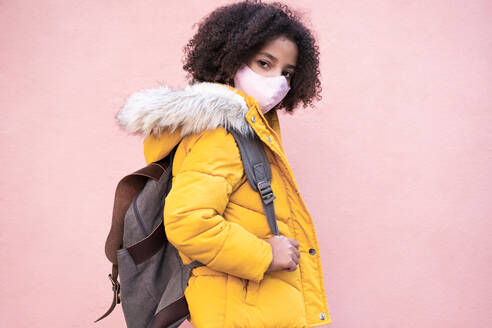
x=193, y=210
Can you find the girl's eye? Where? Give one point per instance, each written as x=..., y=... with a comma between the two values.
x=289, y=74
x=263, y=63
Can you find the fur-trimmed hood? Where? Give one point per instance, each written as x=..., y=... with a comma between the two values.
x=197, y=107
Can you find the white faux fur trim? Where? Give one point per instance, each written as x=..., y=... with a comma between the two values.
x=197, y=107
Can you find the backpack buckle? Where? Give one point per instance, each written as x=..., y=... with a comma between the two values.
x=266, y=191
x=116, y=288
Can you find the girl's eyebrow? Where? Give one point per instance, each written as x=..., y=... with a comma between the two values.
x=273, y=58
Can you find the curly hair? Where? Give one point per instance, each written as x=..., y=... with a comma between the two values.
x=231, y=34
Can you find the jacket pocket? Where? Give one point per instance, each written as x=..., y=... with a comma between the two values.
x=252, y=290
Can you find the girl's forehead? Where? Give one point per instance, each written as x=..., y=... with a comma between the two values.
x=280, y=49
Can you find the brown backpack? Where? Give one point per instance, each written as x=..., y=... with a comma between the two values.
x=152, y=276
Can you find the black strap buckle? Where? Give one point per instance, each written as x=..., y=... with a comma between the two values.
x=116, y=288
x=266, y=192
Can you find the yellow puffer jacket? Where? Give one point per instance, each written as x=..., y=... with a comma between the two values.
x=214, y=216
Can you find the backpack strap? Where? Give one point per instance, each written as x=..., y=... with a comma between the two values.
x=116, y=291
x=258, y=171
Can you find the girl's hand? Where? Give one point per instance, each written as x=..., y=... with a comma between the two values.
x=285, y=253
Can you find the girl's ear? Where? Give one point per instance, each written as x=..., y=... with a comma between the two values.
x=230, y=79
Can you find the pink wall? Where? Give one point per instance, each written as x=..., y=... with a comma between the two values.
x=394, y=163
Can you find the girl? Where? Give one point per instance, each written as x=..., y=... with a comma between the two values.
x=246, y=61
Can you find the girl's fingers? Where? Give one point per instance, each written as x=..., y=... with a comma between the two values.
x=296, y=260
x=294, y=242
x=297, y=253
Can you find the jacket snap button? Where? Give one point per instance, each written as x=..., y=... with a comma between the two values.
x=253, y=119
x=269, y=139
x=322, y=316
x=312, y=251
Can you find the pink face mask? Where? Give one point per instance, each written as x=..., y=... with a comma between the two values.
x=268, y=91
